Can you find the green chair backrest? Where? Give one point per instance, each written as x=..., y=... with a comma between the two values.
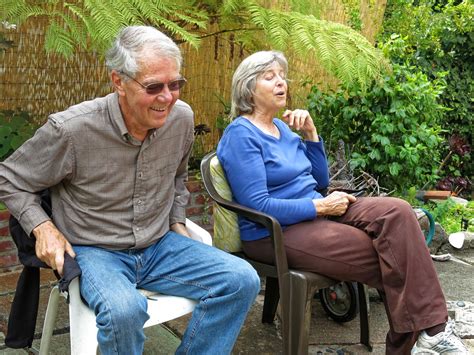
x=226, y=228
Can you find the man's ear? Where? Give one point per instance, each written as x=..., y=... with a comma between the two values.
x=117, y=82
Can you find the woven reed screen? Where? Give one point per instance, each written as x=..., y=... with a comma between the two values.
x=32, y=81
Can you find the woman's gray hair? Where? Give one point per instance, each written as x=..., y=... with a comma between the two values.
x=136, y=42
x=245, y=79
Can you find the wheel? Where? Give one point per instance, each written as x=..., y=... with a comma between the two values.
x=340, y=301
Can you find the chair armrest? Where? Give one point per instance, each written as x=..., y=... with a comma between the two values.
x=272, y=225
x=270, y=222
x=198, y=233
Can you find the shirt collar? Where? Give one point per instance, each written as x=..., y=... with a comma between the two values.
x=116, y=115
x=119, y=122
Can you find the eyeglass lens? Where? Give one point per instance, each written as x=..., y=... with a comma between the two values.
x=156, y=88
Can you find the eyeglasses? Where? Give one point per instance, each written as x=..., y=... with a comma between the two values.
x=156, y=88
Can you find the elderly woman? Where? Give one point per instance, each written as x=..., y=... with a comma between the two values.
x=373, y=240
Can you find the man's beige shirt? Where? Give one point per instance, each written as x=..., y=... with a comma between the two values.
x=108, y=189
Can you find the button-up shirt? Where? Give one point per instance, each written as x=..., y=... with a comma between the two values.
x=108, y=189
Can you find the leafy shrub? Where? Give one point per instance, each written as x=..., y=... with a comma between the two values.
x=15, y=128
x=392, y=130
x=451, y=215
x=438, y=38
x=455, y=217
x=199, y=148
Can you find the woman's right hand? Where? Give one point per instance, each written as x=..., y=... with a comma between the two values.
x=301, y=121
x=335, y=204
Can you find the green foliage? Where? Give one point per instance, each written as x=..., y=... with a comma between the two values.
x=289, y=26
x=199, y=147
x=439, y=37
x=352, y=8
x=452, y=216
x=223, y=119
x=5, y=43
x=91, y=24
x=392, y=130
x=15, y=129
x=340, y=50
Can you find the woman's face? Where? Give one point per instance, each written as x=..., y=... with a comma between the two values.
x=271, y=89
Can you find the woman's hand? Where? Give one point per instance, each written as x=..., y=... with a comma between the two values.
x=301, y=121
x=335, y=204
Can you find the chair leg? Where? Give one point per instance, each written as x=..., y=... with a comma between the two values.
x=82, y=323
x=49, y=321
x=270, y=303
x=364, y=313
x=299, y=316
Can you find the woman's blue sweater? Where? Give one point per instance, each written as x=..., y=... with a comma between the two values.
x=276, y=176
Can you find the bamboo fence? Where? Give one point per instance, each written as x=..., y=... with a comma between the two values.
x=33, y=81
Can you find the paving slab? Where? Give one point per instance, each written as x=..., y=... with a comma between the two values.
x=326, y=336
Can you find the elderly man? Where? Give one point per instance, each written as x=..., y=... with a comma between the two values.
x=116, y=168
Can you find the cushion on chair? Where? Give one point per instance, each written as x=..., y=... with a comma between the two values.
x=226, y=228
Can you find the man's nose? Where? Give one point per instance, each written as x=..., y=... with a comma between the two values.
x=165, y=94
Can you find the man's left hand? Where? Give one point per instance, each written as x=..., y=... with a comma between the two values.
x=180, y=228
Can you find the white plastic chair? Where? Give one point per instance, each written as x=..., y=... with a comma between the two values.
x=83, y=329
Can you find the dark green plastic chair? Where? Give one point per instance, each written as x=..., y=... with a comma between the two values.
x=293, y=288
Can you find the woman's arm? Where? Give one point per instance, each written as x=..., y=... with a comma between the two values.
x=301, y=121
x=240, y=154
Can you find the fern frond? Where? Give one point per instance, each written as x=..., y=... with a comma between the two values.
x=230, y=7
x=198, y=19
x=340, y=50
x=274, y=24
x=290, y=25
x=85, y=20
x=186, y=36
x=106, y=20
x=75, y=27
x=20, y=11
x=58, y=40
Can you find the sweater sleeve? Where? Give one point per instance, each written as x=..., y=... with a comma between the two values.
x=317, y=156
x=240, y=154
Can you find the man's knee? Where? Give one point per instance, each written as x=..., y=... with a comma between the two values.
x=252, y=280
x=244, y=279
x=129, y=311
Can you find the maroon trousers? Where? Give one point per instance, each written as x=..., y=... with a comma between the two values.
x=378, y=242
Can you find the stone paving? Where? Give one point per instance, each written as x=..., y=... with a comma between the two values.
x=326, y=336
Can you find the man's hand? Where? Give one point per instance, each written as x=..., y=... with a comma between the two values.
x=51, y=246
x=180, y=229
x=334, y=204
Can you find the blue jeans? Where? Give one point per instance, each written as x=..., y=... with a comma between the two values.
x=225, y=286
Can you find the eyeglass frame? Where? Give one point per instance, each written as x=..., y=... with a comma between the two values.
x=160, y=85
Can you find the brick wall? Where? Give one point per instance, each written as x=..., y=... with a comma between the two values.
x=8, y=255
x=199, y=210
